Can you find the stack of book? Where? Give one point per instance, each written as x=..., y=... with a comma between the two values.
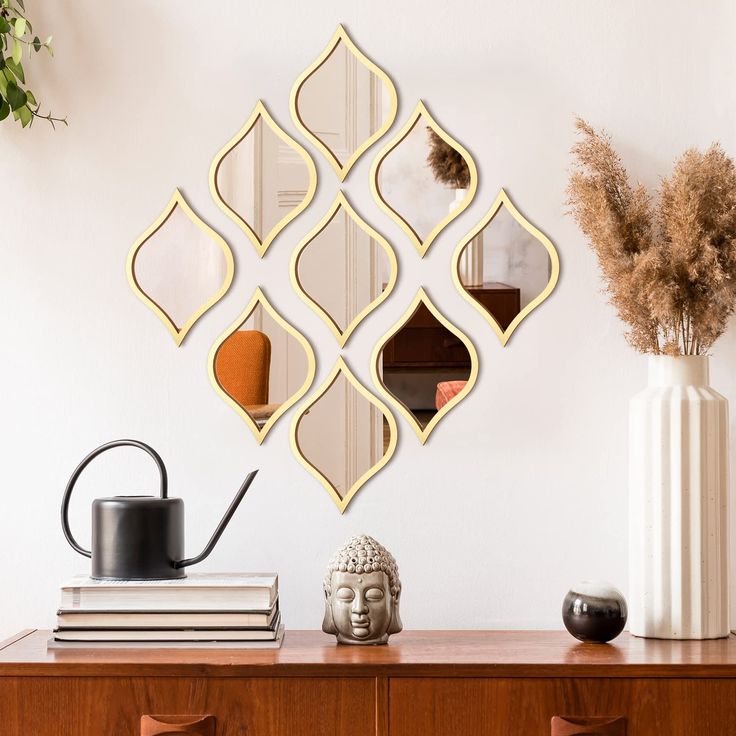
x=238, y=610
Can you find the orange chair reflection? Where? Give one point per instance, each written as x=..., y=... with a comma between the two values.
x=243, y=365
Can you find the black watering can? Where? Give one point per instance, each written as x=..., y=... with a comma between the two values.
x=140, y=537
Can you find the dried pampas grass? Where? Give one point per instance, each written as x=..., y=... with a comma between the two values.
x=669, y=266
x=447, y=164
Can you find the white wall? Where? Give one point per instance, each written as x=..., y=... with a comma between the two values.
x=521, y=491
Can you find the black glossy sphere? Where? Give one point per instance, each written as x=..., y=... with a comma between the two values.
x=594, y=612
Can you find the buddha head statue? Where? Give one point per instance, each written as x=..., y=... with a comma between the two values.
x=362, y=591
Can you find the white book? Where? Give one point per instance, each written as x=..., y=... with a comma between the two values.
x=269, y=644
x=165, y=620
x=163, y=635
x=196, y=592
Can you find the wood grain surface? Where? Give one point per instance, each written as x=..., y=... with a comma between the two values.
x=526, y=706
x=114, y=706
x=415, y=654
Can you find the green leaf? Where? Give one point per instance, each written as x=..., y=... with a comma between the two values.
x=25, y=115
x=2, y=63
x=22, y=6
x=17, y=51
x=4, y=110
x=37, y=43
x=20, y=26
x=31, y=98
x=4, y=25
x=17, y=69
x=16, y=96
x=3, y=83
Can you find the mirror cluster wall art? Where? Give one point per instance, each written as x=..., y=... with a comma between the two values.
x=180, y=267
x=343, y=268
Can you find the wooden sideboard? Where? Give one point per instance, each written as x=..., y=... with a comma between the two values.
x=469, y=683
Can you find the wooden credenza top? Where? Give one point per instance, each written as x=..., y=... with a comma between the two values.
x=410, y=654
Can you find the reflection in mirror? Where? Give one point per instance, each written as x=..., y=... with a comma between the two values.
x=180, y=267
x=425, y=365
x=505, y=267
x=343, y=102
x=344, y=435
x=343, y=269
x=423, y=179
x=261, y=365
x=262, y=179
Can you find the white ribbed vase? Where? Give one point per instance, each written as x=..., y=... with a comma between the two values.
x=678, y=479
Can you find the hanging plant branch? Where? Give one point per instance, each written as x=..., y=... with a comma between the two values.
x=17, y=42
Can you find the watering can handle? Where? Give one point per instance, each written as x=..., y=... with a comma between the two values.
x=87, y=460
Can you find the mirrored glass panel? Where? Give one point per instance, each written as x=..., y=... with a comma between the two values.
x=425, y=366
x=180, y=267
x=343, y=103
x=344, y=435
x=505, y=267
x=343, y=269
x=262, y=179
x=423, y=179
x=261, y=365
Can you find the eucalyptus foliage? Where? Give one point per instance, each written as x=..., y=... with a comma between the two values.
x=18, y=43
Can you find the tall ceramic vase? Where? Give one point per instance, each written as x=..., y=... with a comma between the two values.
x=678, y=477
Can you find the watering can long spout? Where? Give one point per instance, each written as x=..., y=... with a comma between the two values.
x=221, y=526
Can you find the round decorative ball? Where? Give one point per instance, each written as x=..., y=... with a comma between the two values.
x=594, y=611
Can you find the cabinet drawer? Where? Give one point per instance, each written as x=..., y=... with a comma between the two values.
x=113, y=706
x=525, y=706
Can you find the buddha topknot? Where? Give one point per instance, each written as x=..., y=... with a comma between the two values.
x=363, y=554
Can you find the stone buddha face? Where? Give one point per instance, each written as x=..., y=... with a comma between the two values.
x=362, y=591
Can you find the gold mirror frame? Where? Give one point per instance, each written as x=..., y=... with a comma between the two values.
x=260, y=298
x=342, y=502
x=503, y=200
x=341, y=35
x=423, y=298
x=177, y=200
x=261, y=246
x=341, y=202
x=422, y=246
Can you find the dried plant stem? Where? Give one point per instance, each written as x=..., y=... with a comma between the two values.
x=670, y=269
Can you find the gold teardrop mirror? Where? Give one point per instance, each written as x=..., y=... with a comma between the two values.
x=424, y=366
x=423, y=179
x=505, y=267
x=343, y=102
x=262, y=179
x=261, y=365
x=343, y=435
x=343, y=269
x=180, y=267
